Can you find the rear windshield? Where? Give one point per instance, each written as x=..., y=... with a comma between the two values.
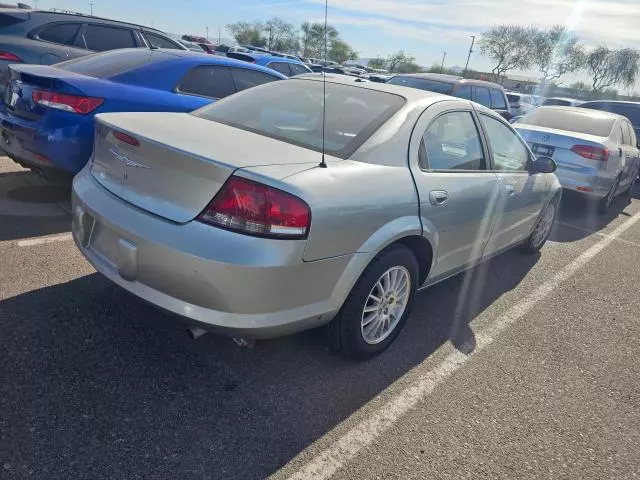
x=513, y=98
x=557, y=101
x=292, y=111
x=423, y=84
x=113, y=62
x=570, y=120
x=629, y=110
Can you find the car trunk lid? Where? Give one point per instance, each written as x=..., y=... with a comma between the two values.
x=181, y=161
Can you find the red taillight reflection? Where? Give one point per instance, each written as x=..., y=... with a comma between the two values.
x=591, y=152
x=9, y=57
x=256, y=209
x=123, y=137
x=68, y=103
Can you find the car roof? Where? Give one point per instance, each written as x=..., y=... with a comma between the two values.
x=581, y=111
x=77, y=15
x=411, y=94
x=621, y=102
x=273, y=58
x=568, y=99
x=442, y=77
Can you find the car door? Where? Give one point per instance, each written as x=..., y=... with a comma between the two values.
x=521, y=194
x=456, y=190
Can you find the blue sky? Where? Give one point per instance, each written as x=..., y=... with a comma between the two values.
x=423, y=28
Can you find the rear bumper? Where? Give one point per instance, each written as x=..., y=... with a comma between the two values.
x=64, y=141
x=593, y=185
x=235, y=284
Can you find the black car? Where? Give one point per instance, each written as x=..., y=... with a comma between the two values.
x=489, y=94
x=45, y=37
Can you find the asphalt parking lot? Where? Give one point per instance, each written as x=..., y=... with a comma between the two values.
x=525, y=367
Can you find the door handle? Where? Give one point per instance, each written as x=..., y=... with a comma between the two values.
x=438, y=197
x=511, y=189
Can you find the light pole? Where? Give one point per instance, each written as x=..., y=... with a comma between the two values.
x=91, y=9
x=207, y=37
x=473, y=39
x=444, y=55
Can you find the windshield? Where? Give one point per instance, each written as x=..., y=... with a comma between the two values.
x=292, y=111
x=570, y=120
x=423, y=84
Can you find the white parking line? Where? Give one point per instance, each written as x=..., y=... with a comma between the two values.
x=329, y=461
x=600, y=234
x=62, y=237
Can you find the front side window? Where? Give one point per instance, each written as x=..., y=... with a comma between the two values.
x=452, y=142
x=497, y=100
x=62, y=33
x=208, y=81
x=509, y=152
x=280, y=67
x=483, y=97
x=101, y=38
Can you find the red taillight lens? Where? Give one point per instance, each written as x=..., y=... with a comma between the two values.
x=68, y=103
x=591, y=152
x=123, y=137
x=9, y=57
x=256, y=209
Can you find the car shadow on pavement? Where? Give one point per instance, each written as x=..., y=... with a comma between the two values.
x=578, y=217
x=99, y=384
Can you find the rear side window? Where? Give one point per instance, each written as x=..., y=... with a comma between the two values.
x=292, y=112
x=632, y=134
x=208, y=81
x=497, y=100
x=483, y=97
x=62, y=33
x=423, y=84
x=452, y=142
x=115, y=62
x=298, y=69
x=245, y=78
x=464, y=92
x=160, y=42
x=101, y=38
x=222, y=48
x=281, y=67
x=626, y=137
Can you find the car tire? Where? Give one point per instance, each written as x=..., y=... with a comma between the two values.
x=543, y=227
x=604, y=204
x=349, y=333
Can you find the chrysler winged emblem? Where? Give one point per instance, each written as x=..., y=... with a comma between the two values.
x=126, y=161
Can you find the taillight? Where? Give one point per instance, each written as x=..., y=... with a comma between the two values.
x=256, y=209
x=123, y=137
x=9, y=57
x=68, y=103
x=591, y=152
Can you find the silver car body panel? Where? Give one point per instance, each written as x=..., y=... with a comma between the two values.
x=139, y=231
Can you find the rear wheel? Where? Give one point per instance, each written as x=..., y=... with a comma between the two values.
x=541, y=231
x=377, y=307
x=605, y=203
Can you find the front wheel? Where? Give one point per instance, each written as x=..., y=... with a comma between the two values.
x=541, y=231
x=377, y=307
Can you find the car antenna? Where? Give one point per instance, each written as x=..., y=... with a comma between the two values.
x=323, y=163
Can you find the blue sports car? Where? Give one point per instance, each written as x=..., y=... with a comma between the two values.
x=46, y=122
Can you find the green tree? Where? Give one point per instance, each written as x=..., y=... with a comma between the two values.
x=281, y=36
x=377, y=62
x=246, y=33
x=340, y=51
x=509, y=46
x=399, y=58
x=408, y=67
x=312, y=40
x=556, y=52
x=612, y=67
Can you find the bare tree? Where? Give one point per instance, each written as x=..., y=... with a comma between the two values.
x=556, y=52
x=246, y=33
x=509, y=46
x=281, y=36
x=612, y=67
x=399, y=58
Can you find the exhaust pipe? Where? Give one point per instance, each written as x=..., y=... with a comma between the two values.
x=196, y=332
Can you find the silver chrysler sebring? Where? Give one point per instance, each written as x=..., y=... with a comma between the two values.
x=256, y=218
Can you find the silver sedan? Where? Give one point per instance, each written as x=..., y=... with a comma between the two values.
x=255, y=218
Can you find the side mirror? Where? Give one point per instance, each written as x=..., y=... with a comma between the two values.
x=543, y=165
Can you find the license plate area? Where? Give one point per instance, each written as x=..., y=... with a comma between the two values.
x=542, y=150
